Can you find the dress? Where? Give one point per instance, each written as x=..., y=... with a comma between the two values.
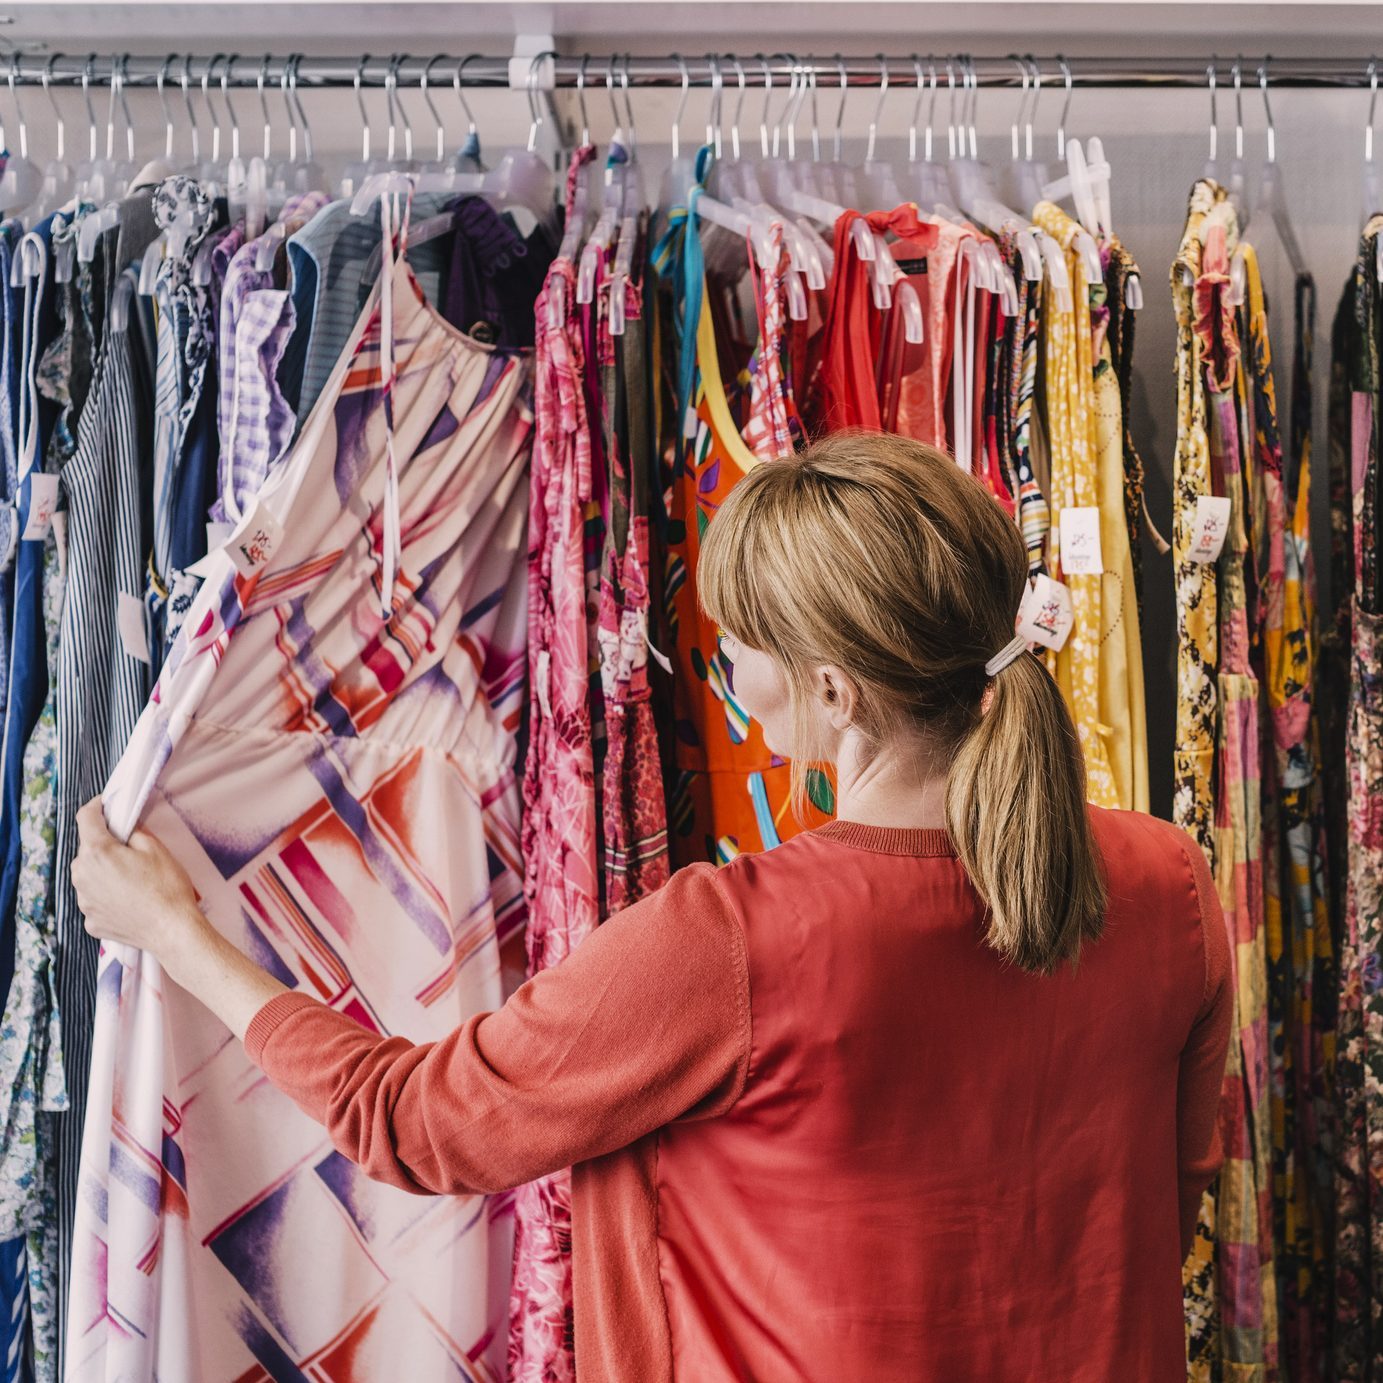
x=370, y=856
x=101, y=687
x=1067, y=353
x=1246, y=1281
x=1359, y=1068
x=560, y=844
x=1193, y=799
x=729, y=795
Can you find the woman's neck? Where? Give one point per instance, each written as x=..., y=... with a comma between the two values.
x=903, y=785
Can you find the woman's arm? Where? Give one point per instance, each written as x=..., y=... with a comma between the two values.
x=647, y=1021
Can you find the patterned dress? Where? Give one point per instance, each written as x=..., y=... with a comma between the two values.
x=730, y=795
x=1197, y=653
x=1067, y=352
x=1359, y=1067
x=559, y=820
x=1247, y=1285
x=1301, y=954
x=368, y=854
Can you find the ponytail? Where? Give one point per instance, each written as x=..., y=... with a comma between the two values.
x=881, y=556
x=1015, y=808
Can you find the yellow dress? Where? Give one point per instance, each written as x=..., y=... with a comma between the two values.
x=1068, y=406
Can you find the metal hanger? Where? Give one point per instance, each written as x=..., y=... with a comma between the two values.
x=437, y=160
x=468, y=156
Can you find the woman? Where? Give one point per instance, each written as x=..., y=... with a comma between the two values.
x=926, y=1094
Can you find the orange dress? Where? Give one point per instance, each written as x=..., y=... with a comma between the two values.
x=730, y=796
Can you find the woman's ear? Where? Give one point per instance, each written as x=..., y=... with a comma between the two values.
x=838, y=696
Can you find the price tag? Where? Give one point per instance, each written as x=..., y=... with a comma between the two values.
x=1080, y=542
x=216, y=535
x=1045, y=616
x=43, y=500
x=1212, y=527
x=132, y=621
x=254, y=541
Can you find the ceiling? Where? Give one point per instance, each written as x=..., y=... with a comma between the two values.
x=1076, y=27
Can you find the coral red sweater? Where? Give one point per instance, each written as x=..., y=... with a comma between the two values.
x=820, y=1131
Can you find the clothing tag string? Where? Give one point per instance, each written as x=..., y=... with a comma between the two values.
x=394, y=236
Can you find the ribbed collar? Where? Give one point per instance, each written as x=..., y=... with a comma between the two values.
x=888, y=840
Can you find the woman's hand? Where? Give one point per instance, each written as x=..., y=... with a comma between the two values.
x=140, y=895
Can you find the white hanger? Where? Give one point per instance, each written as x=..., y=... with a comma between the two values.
x=1272, y=194
x=59, y=180
x=1373, y=197
x=21, y=181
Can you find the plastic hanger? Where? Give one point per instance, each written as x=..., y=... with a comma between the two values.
x=93, y=173
x=1029, y=174
x=1373, y=196
x=521, y=180
x=1272, y=194
x=356, y=172
x=59, y=179
x=878, y=177
x=307, y=172
x=21, y=180
x=613, y=197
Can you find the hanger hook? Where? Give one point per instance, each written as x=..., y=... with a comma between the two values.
x=432, y=105
x=920, y=78
x=878, y=109
x=951, y=109
x=1022, y=103
x=843, y=85
x=1212, y=78
x=284, y=70
x=261, y=77
x=390, y=104
x=974, y=105
x=458, y=82
x=535, y=109
x=739, y=106
x=629, y=105
x=714, y=138
x=298, y=107
x=110, y=106
x=1267, y=109
x=231, y=60
x=685, y=74
x=1029, y=145
x=53, y=101
x=768, y=96
x=88, y=68
x=397, y=66
x=581, y=99
x=364, y=114
x=18, y=109
x=183, y=80
x=794, y=77
x=610, y=92
x=163, y=105
x=1236, y=72
x=1373, y=101
x=1065, y=109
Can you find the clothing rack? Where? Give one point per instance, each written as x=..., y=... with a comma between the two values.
x=594, y=71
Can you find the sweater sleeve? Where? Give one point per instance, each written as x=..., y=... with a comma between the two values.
x=1199, y=1152
x=645, y=1022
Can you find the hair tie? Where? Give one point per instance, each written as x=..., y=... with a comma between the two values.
x=1006, y=655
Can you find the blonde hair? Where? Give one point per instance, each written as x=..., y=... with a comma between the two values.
x=878, y=555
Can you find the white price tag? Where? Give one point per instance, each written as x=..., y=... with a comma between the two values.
x=1212, y=527
x=1080, y=542
x=132, y=622
x=1045, y=615
x=43, y=500
x=254, y=541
